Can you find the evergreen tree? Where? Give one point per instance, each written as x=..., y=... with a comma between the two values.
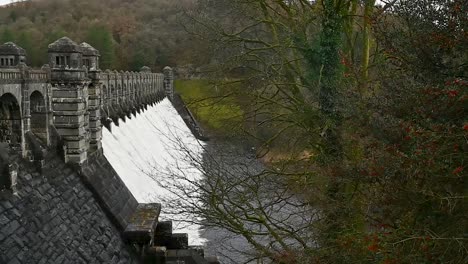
x=7, y=35
x=101, y=38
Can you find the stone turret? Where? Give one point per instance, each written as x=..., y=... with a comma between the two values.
x=65, y=53
x=11, y=55
x=91, y=62
x=90, y=56
x=70, y=97
x=145, y=69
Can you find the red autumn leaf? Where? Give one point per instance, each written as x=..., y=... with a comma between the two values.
x=373, y=247
x=457, y=170
x=452, y=93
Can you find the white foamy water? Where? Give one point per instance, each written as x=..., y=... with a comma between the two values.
x=149, y=144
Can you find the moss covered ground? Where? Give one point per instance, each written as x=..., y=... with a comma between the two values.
x=212, y=105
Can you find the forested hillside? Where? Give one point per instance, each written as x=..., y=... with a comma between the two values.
x=129, y=33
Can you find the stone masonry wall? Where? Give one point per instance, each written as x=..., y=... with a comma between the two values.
x=54, y=218
x=109, y=189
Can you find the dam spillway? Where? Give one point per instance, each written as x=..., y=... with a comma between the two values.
x=150, y=144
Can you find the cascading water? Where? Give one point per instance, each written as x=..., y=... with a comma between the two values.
x=148, y=144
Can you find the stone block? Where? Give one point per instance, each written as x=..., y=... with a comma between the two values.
x=81, y=144
x=14, y=261
x=71, y=131
x=68, y=100
x=200, y=250
x=77, y=158
x=212, y=260
x=96, y=124
x=68, y=119
x=142, y=224
x=68, y=106
x=96, y=145
x=178, y=241
x=93, y=102
x=70, y=125
x=10, y=228
x=155, y=255
x=63, y=93
x=69, y=113
x=164, y=228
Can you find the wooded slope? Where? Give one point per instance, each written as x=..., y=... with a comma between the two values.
x=129, y=33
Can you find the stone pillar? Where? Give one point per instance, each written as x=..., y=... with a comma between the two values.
x=69, y=97
x=91, y=57
x=138, y=90
x=153, y=87
x=131, y=85
x=86, y=118
x=161, y=86
x=26, y=104
x=94, y=108
x=48, y=97
x=169, y=82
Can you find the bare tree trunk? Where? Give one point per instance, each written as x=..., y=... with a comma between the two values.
x=350, y=29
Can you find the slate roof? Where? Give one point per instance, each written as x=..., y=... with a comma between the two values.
x=89, y=50
x=65, y=45
x=11, y=48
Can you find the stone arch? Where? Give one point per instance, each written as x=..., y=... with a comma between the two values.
x=10, y=120
x=38, y=115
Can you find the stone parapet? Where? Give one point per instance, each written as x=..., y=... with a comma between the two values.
x=109, y=189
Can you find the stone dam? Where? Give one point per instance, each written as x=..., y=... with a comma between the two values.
x=61, y=199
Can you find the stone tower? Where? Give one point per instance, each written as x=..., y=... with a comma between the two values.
x=11, y=55
x=91, y=62
x=70, y=97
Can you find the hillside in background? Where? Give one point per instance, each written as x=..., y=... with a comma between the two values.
x=129, y=33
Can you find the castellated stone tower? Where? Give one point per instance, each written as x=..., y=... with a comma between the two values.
x=70, y=97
